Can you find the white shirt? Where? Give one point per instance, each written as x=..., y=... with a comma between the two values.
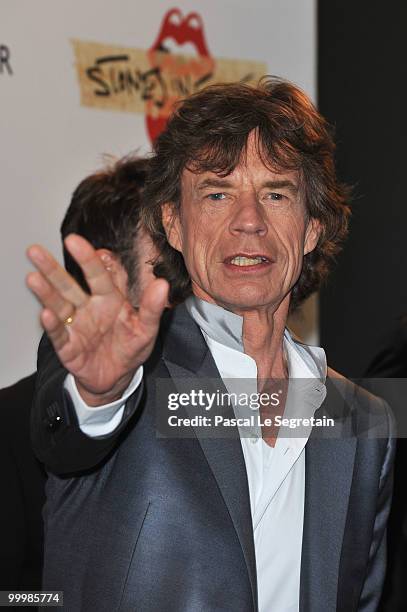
x=276, y=476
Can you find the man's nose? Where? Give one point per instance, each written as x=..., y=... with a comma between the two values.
x=248, y=217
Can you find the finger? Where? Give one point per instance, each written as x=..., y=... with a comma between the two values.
x=98, y=278
x=49, y=296
x=56, y=275
x=57, y=332
x=153, y=301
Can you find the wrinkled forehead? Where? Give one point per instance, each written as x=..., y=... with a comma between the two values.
x=250, y=173
x=252, y=156
x=243, y=177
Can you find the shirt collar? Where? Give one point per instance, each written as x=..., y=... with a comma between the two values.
x=218, y=323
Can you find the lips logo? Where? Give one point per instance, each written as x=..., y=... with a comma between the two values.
x=181, y=54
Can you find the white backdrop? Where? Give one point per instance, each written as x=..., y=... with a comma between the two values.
x=49, y=141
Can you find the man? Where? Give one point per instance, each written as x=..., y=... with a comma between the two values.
x=243, y=200
x=105, y=209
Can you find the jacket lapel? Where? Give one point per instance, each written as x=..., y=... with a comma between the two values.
x=328, y=478
x=190, y=362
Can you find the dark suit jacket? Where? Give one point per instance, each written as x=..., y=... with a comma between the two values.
x=153, y=524
x=390, y=362
x=22, y=482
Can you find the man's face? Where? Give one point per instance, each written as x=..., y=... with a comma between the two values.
x=243, y=237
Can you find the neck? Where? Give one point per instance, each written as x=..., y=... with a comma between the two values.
x=263, y=334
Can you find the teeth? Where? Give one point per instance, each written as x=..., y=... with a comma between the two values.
x=247, y=261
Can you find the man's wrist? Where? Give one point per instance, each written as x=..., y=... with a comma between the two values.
x=94, y=399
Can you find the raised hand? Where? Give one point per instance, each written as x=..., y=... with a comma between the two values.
x=99, y=338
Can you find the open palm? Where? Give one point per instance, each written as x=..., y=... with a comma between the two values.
x=107, y=339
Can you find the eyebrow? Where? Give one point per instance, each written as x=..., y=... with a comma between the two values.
x=224, y=184
x=213, y=182
x=286, y=184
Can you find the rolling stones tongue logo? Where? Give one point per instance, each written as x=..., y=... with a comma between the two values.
x=180, y=55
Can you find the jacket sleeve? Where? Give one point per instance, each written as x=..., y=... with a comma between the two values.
x=373, y=584
x=55, y=433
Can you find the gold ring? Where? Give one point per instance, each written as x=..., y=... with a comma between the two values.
x=69, y=320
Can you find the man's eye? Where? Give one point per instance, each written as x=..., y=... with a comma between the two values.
x=216, y=196
x=275, y=196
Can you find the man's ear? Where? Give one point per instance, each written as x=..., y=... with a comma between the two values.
x=172, y=225
x=113, y=265
x=312, y=234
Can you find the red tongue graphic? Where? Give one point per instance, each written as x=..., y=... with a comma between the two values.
x=175, y=78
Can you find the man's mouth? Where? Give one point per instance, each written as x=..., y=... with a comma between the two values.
x=245, y=260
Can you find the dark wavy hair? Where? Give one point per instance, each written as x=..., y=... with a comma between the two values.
x=209, y=132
